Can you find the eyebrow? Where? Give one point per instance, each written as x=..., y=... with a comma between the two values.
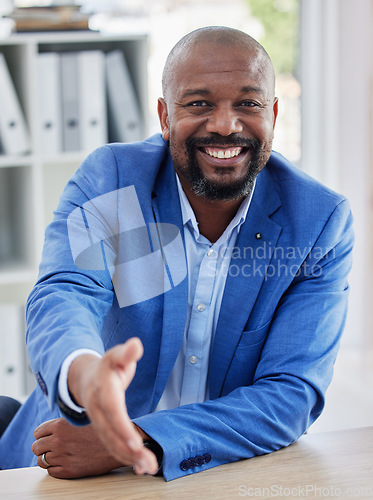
x=250, y=88
x=245, y=89
x=192, y=92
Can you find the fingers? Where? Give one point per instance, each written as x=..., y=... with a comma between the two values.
x=105, y=401
x=124, y=354
x=45, y=429
x=41, y=446
x=112, y=420
x=99, y=385
x=123, y=441
x=47, y=462
x=71, y=452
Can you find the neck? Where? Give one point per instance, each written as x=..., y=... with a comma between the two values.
x=213, y=216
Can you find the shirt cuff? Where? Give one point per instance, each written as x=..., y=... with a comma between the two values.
x=63, y=389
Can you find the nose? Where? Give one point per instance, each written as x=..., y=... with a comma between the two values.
x=223, y=120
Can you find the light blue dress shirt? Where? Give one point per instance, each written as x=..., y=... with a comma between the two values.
x=208, y=266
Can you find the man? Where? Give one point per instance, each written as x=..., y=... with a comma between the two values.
x=232, y=361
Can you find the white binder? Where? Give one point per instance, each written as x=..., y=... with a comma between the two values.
x=14, y=135
x=92, y=100
x=29, y=380
x=6, y=235
x=70, y=101
x=50, y=113
x=125, y=122
x=12, y=338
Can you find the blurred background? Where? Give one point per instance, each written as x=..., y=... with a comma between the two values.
x=322, y=54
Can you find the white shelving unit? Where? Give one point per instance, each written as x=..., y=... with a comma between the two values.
x=30, y=185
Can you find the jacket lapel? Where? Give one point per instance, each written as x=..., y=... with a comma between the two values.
x=166, y=208
x=252, y=254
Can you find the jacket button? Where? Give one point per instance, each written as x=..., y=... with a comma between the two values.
x=41, y=383
x=200, y=460
x=192, y=461
x=207, y=458
x=185, y=465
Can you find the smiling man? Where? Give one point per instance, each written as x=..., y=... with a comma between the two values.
x=218, y=114
x=232, y=358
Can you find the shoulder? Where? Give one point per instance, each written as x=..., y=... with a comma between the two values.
x=298, y=191
x=117, y=165
x=304, y=207
x=134, y=157
x=154, y=146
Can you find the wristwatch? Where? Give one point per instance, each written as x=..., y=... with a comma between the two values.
x=81, y=418
x=158, y=452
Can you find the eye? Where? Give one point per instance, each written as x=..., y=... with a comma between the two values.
x=197, y=104
x=249, y=103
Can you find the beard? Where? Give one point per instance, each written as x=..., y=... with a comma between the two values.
x=220, y=190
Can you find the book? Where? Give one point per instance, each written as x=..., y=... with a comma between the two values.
x=124, y=113
x=14, y=135
x=52, y=18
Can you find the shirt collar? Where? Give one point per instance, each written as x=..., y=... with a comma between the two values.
x=189, y=219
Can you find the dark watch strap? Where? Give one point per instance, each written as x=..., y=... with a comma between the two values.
x=158, y=452
x=80, y=417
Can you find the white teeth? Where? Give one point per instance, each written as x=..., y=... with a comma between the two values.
x=227, y=153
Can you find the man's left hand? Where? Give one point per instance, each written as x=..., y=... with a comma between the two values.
x=71, y=451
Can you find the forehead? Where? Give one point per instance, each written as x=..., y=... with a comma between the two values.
x=230, y=65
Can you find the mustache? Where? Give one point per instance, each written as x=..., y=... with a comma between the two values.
x=229, y=141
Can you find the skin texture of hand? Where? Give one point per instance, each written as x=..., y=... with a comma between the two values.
x=71, y=451
x=99, y=386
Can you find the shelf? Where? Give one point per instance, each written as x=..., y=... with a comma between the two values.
x=16, y=273
x=70, y=37
x=64, y=158
x=31, y=184
x=16, y=161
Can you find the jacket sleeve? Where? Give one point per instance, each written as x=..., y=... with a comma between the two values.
x=68, y=305
x=291, y=378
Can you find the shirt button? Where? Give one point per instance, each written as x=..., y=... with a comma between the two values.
x=210, y=253
x=201, y=307
x=193, y=360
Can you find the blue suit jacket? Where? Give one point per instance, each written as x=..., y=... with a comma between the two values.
x=281, y=318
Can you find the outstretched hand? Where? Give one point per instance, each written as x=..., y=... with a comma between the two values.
x=99, y=386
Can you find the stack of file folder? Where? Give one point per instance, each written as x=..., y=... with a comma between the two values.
x=85, y=99
x=82, y=96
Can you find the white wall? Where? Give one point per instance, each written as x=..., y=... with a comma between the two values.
x=337, y=127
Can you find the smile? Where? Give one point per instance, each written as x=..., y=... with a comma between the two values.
x=223, y=153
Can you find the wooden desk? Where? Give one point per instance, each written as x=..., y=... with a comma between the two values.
x=328, y=465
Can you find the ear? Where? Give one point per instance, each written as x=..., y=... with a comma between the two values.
x=163, y=119
x=275, y=111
